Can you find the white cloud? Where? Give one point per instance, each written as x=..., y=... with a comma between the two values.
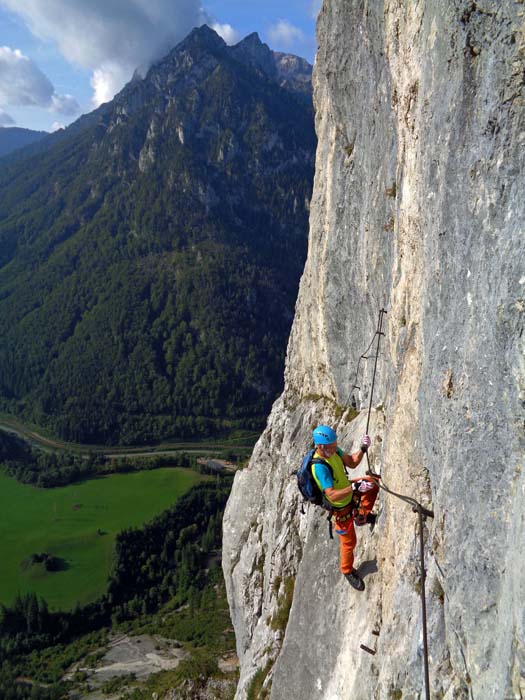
x=5, y=118
x=65, y=104
x=110, y=37
x=285, y=35
x=107, y=80
x=55, y=126
x=23, y=83
x=228, y=33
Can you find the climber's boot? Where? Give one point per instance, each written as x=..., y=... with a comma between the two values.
x=369, y=519
x=355, y=580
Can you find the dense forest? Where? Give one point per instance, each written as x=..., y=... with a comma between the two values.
x=164, y=561
x=150, y=256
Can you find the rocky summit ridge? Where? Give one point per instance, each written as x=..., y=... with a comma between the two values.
x=417, y=207
x=287, y=70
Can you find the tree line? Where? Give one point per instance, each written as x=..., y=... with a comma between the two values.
x=31, y=465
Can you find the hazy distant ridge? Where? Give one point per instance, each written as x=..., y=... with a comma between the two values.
x=13, y=137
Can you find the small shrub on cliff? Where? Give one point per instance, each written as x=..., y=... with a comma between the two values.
x=280, y=619
x=255, y=689
x=118, y=683
x=392, y=190
x=395, y=694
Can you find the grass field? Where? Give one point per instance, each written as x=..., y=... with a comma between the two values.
x=66, y=522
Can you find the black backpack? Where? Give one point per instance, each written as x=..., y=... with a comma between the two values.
x=307, y=484
x=309, y=488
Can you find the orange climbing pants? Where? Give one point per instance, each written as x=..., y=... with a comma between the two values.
x=344, y=526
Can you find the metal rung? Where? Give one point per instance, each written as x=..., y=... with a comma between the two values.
x=367, y=649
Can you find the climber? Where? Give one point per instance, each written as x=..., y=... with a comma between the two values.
x=352, y=501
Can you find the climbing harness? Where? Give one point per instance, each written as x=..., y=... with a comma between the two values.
x=422, y=512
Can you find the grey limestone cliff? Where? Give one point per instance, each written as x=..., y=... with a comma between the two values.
x=418, y=206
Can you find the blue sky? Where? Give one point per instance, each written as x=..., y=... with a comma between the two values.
x=61, y=58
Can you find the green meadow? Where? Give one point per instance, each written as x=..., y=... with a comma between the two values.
x=78, y=524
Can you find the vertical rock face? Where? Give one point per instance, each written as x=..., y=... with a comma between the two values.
x=418, y=206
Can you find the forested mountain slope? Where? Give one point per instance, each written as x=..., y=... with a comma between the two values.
x=150, y=255
x=12, y=138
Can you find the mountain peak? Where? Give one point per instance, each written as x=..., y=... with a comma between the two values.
x=206, y=36
x=252, y=39
x=289, y=71
x=252, y=51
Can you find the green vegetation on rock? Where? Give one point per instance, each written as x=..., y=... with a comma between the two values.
x=256, y=689
x=284, y=603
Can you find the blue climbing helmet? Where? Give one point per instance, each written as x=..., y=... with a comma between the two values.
x=324, y=435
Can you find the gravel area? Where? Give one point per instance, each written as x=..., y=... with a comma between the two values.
x=141, y=655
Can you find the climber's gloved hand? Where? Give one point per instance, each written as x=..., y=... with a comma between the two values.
x=365, y=443
x=365, y=486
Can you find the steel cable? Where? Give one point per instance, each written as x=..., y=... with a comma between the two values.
x=416, y=506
